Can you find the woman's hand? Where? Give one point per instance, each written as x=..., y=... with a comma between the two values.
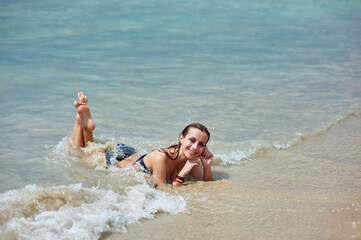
x=188, y=167
x=206, y=157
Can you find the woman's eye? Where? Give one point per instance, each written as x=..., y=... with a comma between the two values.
x=192, y=140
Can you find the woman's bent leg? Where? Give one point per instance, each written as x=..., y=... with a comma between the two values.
x=77, y=136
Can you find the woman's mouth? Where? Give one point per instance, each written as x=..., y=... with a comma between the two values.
x=191, y=152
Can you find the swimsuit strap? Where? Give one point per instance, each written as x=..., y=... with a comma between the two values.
x=139, y=159
x=142, y=166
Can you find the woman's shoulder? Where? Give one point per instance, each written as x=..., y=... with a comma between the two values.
x=158, y=155
x=156, y=159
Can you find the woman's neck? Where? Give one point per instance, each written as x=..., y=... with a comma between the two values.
x=181, y=156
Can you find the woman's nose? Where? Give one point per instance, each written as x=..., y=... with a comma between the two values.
x=196, y=146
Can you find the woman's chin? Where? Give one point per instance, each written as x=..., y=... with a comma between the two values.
x=192, y=157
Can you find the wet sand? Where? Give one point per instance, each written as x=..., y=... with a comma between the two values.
x=310, y=191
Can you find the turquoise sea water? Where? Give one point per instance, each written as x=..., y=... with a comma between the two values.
x=258, y=74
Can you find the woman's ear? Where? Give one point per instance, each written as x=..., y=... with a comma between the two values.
x=181, y=138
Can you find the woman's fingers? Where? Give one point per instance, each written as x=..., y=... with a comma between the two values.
x=207, y=154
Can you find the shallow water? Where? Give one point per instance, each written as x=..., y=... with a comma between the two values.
x=277, y=84
x=310, y=191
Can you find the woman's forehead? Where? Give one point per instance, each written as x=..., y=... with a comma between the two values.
x=196, y=133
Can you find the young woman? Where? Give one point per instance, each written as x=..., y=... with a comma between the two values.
x=170, y=164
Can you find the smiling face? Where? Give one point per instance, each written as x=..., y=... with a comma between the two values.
x=194, y=143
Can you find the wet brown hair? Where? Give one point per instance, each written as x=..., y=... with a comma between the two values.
x=173, y=150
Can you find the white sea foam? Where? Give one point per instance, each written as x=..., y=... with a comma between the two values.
x=301, y=137
x=238, y=153
x=76, y=212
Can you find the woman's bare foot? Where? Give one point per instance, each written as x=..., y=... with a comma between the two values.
x=83, y=100
x=85, y=117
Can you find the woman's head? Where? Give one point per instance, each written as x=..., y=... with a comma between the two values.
x=194, y=133
x=193, y=140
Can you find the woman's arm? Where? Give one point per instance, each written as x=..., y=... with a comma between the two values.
x=206, y=159
x=190, y=164
x=204, y=173
x=159, y=167
x=197, y=172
